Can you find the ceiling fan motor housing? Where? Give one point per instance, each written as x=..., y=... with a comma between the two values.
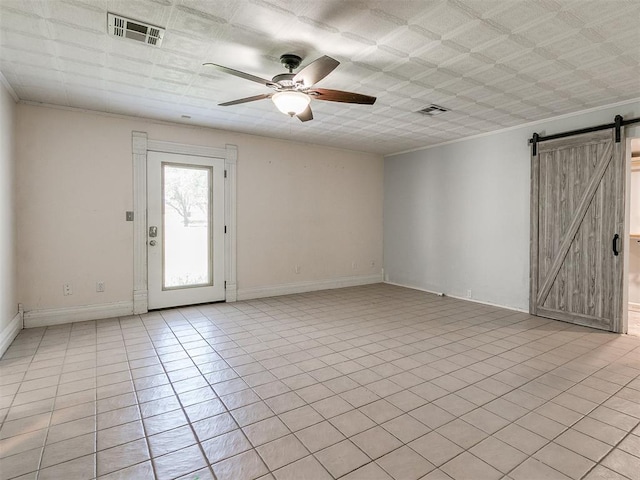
x=284, y=79
x=290, y=61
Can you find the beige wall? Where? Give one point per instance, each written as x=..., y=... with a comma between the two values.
x=8, y=270
x=297, y=204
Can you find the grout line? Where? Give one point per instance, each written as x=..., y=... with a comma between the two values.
x=53, y=406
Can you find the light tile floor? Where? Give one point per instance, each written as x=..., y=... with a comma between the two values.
x=374, y=382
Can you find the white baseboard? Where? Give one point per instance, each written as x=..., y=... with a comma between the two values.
x=490, y=304
x=474, y=300
x=634, y=307
x=57, y=316
x=308, y=286
x=10, y=332
x=440, y=294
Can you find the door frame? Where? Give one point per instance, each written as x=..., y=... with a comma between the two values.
x=140, y=146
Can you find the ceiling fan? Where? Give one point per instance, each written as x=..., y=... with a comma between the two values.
x=294, y=91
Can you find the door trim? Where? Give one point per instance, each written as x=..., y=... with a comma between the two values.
x=140, y=146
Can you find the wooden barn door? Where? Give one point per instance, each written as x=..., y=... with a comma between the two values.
x=577, y=230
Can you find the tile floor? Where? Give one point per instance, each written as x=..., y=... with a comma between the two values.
x=374, y=382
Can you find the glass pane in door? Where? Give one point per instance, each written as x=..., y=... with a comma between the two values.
x=186, y=204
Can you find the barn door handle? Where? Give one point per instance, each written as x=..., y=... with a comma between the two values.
x=615, y=244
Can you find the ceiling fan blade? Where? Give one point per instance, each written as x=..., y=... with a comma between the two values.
x=306, y=115
x=245, y=100
x=341, y=96
x=238, y=73
x=316, y=71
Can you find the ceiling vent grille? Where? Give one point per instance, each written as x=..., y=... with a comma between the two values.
x=134, y=30
x=433, y=110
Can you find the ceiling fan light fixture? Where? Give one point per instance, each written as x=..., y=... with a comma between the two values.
x=291, y=102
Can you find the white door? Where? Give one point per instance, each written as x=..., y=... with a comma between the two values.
x=185, y=244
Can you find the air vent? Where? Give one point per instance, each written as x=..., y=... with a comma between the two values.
x=433, y=110
x=134, y=30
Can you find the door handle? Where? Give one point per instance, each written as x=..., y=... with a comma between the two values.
x=153, y=231
x=615, y=244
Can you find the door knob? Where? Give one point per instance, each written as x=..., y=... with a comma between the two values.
x=152, y=243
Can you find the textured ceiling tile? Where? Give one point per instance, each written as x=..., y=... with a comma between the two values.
x=530, y=60
x=548, y=70
x=516, y=16
x=479, y=94
x=264, y=17
x=33, y=78
x=356, y=71
x=179, y=44
x=566, y=46
x=19, y=56
x=491, y=74
x=162, y=85
x=31, y=43
x=408, y=39
x=438, y=53
x=438, y=78
x=613, y=77
x=590, y=12
x=191, y=26
x=82, y=14
x=74, y=67
x=129, y=49
x=443, y=19
x=148, y=11
x=82, y=54
x=465, y=64
x=128, y=78
x=413, y=68
x=371, y=24
x=586, y=57
x=20, y=6
x=171, y=74
x=504, y=48
x=408, y=90
x=68, y=34
x=121, y=64
x=22, y=22
x=476, y=35
x=549, y=31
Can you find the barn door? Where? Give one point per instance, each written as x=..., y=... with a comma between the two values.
x=577, y=230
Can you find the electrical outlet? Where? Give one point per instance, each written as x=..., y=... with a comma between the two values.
x=99, y=286
x=469, y=293
x=66, y=289
x=296, y=269
x=354, y=265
